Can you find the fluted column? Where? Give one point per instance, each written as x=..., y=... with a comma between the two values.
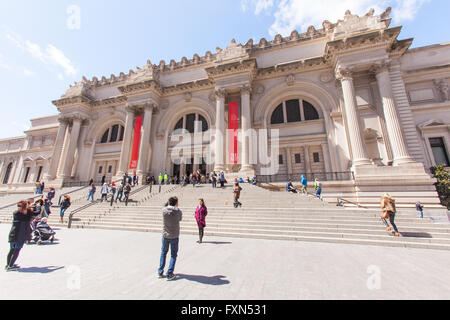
x=126, y=143
x=307, y=160
x=145, y=140
x=72, y=146
x=351, y=113
x=326, y=157
x=219, y=134
x=398, y=145
x=58, y=148
x=289, y=160
x=246, y=127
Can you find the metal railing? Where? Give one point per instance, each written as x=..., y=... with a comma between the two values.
x=25, y=198
x=322, y=176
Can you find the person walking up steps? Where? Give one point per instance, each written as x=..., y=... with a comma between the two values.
x=318, y=188
x=120, y=192
x=64, y=206
x=222, y=180
x=304, y=183
x=105, y=190
x=389, y=210
x=113, y=192
x=419, y=208
x=160, y=178
x=237, y=194
x=19, y=234
x=172, y=216
x=91, y=193
x=200, y=214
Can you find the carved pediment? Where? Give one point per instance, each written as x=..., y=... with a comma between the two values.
x=232, y=52
x=79, y=89
x=431, y=123
x=148, y=72
x=355, y=24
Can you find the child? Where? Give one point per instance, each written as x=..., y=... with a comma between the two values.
x=419, y=208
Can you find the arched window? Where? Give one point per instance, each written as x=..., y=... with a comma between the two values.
x=294, y=110
x=7, y=173
x=189, y=121
x=113, y=134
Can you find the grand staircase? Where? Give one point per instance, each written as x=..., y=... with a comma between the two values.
x=264, y=215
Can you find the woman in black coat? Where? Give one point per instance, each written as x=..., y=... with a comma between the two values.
x=19, y=234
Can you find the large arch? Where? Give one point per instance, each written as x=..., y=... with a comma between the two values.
x=98, y=127
x=321, y=97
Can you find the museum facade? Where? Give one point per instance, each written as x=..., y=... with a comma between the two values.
x=348, y=98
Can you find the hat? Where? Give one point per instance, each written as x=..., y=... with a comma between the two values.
x=44, y=219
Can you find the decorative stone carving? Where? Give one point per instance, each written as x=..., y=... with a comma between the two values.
x=259, y=89
x=233, y=51
x=164, y=104
x=79, y=89
x=187, y=96
x=354, y=23
x=326, y=77
x=294, y=35
x=148, y=72
x=443, y=88
x=278, y=39
x=344, y=74
x=212, y=97
x=290, y=79
x=246, y=89
x=220, y=93
x=327, y=26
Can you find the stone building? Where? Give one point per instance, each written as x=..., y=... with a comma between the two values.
x=351, y=103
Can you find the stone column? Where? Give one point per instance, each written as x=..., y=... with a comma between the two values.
x=72, y=146
x=57, y=150
x=352, y=119
x=219, y=134
x=326, y=157
x=288, y=161
x=145, y=141
x=126, y=143
x=398, y=145
x=246, y=127
x=307, y=160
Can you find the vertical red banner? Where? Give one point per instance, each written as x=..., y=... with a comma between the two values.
x=233, y=125
x=136, y=142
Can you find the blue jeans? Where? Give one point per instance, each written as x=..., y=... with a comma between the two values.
x=420, y=212
x=16, y=245
x=119, y=196
x=319, y=193
x=61, y=213
x=90, y=196
x=173, y=253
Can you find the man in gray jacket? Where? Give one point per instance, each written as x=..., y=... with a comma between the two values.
x=172, y=216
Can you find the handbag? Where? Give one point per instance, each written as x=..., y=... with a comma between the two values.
x=385, y=215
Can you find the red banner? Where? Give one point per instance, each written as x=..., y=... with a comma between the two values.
x=233, y=125
x=136, y=142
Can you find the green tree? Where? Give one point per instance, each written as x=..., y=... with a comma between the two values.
x=442, y=184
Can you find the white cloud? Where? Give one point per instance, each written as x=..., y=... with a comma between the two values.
x=28, y=72
x=260, y=5
x=293, y=14
x=51, y=56
x=3, y=64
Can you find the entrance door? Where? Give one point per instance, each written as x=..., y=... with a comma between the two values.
x=190, y=167
x=176, y=170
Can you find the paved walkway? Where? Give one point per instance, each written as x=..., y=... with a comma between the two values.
x=101, y=264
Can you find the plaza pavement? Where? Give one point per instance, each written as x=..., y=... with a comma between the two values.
x=103, y=264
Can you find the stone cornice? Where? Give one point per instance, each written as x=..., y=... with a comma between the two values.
x=245, y=66
x=109, y=101
x=144, y=86
x=189, y=86
x=295, y=66
x=72, y=100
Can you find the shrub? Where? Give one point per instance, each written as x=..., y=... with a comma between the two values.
x=443, y=184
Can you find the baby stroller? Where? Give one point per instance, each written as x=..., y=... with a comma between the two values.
x=41, y=231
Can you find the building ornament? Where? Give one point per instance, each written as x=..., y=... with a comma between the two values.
x=343, y=74
x=290, y=79
x=187, y=96
x=246, y=90
x=220, y=94
x=443, y=89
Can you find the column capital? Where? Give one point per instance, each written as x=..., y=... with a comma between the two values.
x=246, y=89
x=64, y=120
x=344, y=73
x=149, y=106
x=220, y=93
x=380, y=67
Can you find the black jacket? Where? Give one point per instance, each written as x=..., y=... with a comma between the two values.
x=65, y=204
x=21, y=229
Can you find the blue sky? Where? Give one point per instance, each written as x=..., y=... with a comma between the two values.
x=44, y=47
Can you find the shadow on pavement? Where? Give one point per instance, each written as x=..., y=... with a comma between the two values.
x=40, y=269
x=416, y=235
x=217, y=242
x=214, y=281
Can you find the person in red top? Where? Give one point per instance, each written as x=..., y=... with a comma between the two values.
x=200, y=214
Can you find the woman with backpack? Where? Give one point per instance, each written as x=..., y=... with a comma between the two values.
x=200, y=214
x=64, y=206
x=389, y=210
